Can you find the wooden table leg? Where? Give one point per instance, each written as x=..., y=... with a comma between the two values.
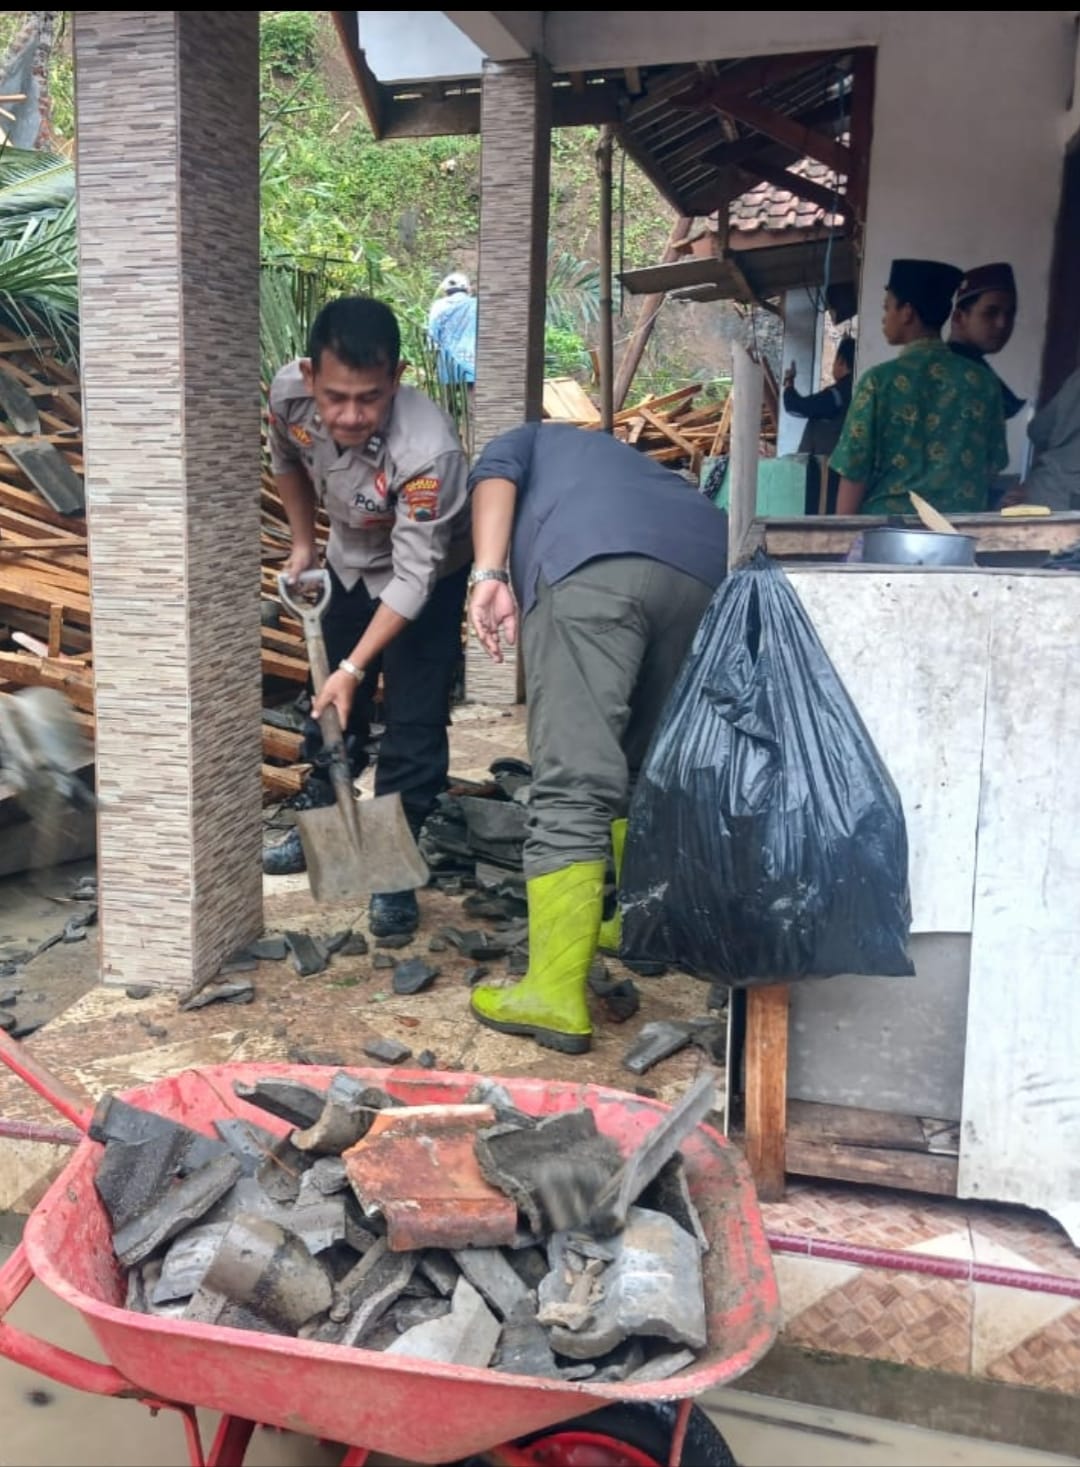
x=766, y=1087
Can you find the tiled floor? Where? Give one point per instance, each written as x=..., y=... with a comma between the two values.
x=1015, y=1335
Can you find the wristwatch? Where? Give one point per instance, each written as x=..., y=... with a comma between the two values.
x=476, y=576
x=350, y=667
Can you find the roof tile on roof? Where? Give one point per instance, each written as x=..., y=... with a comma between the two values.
x=774, y=210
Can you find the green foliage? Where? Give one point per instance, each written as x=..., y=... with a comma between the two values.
x=573, y=291
x=38, y=254
x=287, y=40
x=38, y=185
x=565, y=353
x=62, y=85
x=328, y=185
x=342, y=213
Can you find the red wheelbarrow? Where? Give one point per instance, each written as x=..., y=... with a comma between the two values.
x=366, y=1401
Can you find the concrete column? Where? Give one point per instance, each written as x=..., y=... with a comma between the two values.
x=801, y=324
x=515, y=173
x=168, y=200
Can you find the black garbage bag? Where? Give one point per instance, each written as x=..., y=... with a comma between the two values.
x=766, y=840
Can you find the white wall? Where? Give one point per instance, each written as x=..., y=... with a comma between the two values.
x=968, y=127
x=801, y=324
x=966, y=164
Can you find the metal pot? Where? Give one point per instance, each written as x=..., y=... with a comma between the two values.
x=884, y=545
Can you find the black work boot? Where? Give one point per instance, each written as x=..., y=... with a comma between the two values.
x=286, y=858
x=397, y=913
x=394, y=914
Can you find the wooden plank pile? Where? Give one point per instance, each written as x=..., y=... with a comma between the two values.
x=45, y=627
x=671, y=428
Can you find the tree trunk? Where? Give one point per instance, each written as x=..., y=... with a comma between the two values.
x=24, y=73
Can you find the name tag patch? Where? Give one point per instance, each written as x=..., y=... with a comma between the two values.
x=371, y=502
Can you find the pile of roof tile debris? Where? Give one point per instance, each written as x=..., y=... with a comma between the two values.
x=45, y=634
x=471, y=1234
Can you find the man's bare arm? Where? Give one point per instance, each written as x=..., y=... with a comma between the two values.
x=849, y=496
x=298, y=498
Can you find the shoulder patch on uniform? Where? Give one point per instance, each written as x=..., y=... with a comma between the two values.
x=421, y=498
x=301, y=434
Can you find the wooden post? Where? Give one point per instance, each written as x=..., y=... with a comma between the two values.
x=766, y=1087
x=766, y=1008
x=646, y=320
x=747, y=388
x=607, y=319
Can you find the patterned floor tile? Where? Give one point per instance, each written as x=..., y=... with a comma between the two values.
x=907, y=1319
x=870, y=1216
x=1031, y=1234
x=1049, y=1359
x=803, y=1281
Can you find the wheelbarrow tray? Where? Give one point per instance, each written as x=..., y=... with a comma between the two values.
x=415, y=1410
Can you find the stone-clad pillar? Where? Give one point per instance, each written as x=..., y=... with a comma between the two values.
x=168, y=200
x=515, y=176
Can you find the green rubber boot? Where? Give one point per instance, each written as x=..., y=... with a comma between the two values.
x=549, y=1003
x=611, y=930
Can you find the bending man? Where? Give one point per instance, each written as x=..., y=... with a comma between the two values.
x=613, y=560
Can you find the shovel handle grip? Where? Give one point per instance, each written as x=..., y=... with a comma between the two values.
x=62, y=1366
x=307, y=612
x=61, y=1097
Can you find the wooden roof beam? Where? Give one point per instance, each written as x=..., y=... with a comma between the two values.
x=346, y=23
x=782, y=128
x=833, y=114
x=758, y=72
x=862, y=127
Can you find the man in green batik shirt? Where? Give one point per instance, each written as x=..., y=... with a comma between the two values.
x=929, y=421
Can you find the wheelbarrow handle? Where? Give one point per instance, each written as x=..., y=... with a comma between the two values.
x=61, y=1097
x=63, y=1366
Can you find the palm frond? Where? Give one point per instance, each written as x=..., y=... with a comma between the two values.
x=33, y=185
x=573, y=291
x=289, y=300
x=39, y=284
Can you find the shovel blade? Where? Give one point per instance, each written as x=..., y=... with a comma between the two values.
x=388, y=858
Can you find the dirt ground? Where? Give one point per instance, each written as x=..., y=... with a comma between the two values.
x=108, y=1039
x=33, y=909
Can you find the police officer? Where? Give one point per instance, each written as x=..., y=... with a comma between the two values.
x=388, y=467
x=612, y=561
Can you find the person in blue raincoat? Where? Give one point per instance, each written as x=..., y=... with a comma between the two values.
x=452, y=328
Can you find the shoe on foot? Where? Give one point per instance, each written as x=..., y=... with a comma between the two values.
x=286, y=858
x=394, y=914
x=549, y=1004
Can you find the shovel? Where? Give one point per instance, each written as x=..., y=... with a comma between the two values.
x=352, y=850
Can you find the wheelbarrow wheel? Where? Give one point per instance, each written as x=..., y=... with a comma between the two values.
x=638, y=1435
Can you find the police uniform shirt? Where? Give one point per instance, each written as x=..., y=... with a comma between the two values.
x=398, y=507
